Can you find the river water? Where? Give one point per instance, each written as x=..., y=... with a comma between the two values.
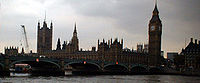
x=103, y=79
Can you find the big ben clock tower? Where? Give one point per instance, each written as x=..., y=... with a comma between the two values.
x=155, y=31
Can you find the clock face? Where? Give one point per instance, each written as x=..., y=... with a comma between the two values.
x=152, y=28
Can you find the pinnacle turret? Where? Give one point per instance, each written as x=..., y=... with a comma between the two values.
x=155, y=17
x=44, y=24
x=38, y=24
x=51, y=26
x=155, y=11
x=58, y=45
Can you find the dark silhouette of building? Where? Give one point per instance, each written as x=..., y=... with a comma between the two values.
x=171, y=55
x=44, y=38
x=22, y=52
x=192, y=54
x=155, y=31
x=178, y=61
x=142, y=48
x=73, y=45
x=107, y=50
x=74, y=41
x=58, y=45
x=11, y=50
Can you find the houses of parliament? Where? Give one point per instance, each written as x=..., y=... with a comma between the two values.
x=107, y=50
x=44, y=41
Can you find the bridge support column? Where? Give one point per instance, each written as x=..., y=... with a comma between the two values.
x=62, y=67
x=102, y=66
x=129, y=68
x=6, y=71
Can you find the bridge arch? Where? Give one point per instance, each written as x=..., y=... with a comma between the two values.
x=115, y=67
x=1, y=66
x=83, y=62
x=155, y=70
x=73, y=62
x=51, y=62
x=138, y=69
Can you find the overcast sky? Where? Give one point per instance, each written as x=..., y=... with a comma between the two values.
x=98, y=19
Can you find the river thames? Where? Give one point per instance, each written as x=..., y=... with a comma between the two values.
x=103, y=79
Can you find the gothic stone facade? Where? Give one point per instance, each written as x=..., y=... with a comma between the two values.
x=192, y=55
x=11, y=51
x=44, y=38
x=155, y=31
x=107, y=51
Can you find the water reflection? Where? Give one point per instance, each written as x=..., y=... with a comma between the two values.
x=67, y=73
x=104, y=79
x=153, y=78
x=20, y=74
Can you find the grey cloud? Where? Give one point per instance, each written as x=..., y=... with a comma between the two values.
x=128, y=14
x=97, y=18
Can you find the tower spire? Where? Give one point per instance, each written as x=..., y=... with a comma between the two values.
x=74, y=40
x=44, y=23
x=38, y=24
x=45, y=16
x=75, y=27
x=51, y=25
x=155, y=11
x=58, y=45
x=156, y=2
x=75, y=31
x=155, y=36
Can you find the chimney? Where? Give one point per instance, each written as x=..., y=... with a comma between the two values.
x=191, y=40
x=195, y=41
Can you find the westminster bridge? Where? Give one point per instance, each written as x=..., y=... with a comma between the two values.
x=57, y=65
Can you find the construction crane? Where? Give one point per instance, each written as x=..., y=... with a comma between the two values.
x=25, y=39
